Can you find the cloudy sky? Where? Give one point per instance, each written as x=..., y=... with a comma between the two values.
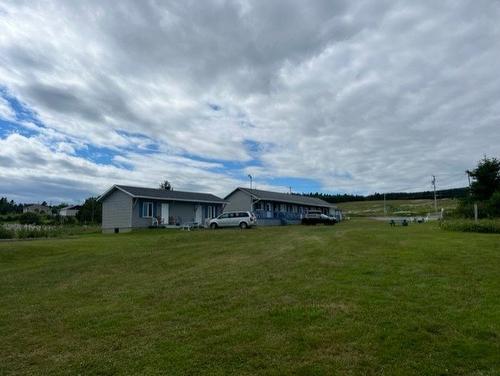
x=333, y=96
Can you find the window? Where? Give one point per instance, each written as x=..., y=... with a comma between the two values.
x=269, y=207
x=225, y=215
x=243, y=214
x=147, y=209
x=210, y=212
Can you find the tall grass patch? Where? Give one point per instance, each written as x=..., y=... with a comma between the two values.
x=6, y=233
x=485, y=226
x=17, y=231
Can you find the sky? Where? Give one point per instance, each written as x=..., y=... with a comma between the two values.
x=332, y=96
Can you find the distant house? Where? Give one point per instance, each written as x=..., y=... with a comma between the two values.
x=69, y=211
x=37, y=208
x=125, y=207
x=273, y=208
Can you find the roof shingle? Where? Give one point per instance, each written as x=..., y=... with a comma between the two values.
x=286, y=197
x=162, y=194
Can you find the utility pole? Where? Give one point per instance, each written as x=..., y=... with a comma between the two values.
x=435, y=200
x=467, y=172
x=251, y=178
x=290, y=188
x=470, y=195
x=385, y=207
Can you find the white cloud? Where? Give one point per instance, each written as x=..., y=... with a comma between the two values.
x=35, y=170
x=359, y=96
x=6, y=111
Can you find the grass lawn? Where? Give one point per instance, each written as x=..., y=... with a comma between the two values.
x=395, y=207
x=358, y=298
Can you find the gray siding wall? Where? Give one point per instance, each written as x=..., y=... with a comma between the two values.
x=137, y=219
x=116, y=211
x=239, y=201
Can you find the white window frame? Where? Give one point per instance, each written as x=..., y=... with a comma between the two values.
x=210, y=211
x=146, y=205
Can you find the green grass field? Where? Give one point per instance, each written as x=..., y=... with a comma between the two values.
x=395, y=207
x=358, y=298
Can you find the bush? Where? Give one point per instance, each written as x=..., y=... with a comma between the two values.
x=486, y=226
x=6, y=233
x=9, y=217
x=485, y=209
x=32, y=232
x=494, y=205
x=29, y=218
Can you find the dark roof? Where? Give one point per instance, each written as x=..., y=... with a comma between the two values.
x=285, y=197
x=162, y=194
x=72, y=207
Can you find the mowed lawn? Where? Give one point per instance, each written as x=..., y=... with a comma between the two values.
x=358, y=298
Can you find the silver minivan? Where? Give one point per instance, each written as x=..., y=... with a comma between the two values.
x=243, y=219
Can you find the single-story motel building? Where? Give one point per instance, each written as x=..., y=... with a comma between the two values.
x=275, y=208
x=125, y=207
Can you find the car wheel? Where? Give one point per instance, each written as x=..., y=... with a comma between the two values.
x=243, y=225
x=213, y=226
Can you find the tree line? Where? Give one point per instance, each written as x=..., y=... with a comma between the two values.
x=484, y=190
x=443, y=193
x=90, y=212
x=7, y=207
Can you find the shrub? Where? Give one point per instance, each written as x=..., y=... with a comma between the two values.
x=29, y=218
x=36, y=231
x=6, y=233
x=494, y=204
x=9, y=217
x=489, y=226
x=32, y=232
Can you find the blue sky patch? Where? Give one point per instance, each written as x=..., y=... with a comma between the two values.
x=298, y=185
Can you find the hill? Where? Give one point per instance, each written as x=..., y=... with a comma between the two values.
x=395, y=207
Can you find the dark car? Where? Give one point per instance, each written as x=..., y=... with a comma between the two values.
x=314, y=217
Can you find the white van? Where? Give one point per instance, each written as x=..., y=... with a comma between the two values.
x=243, y=219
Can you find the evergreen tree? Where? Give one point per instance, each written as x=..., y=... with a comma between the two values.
x=486, y=179
x=90, y=212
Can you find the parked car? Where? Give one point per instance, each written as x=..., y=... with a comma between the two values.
x=314, y=217
x=243, y=219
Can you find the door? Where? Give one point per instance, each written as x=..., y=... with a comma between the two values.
x=223, y=220
x=164, y=213
x=234, y=219
x=197, y=216
x=210, y=212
